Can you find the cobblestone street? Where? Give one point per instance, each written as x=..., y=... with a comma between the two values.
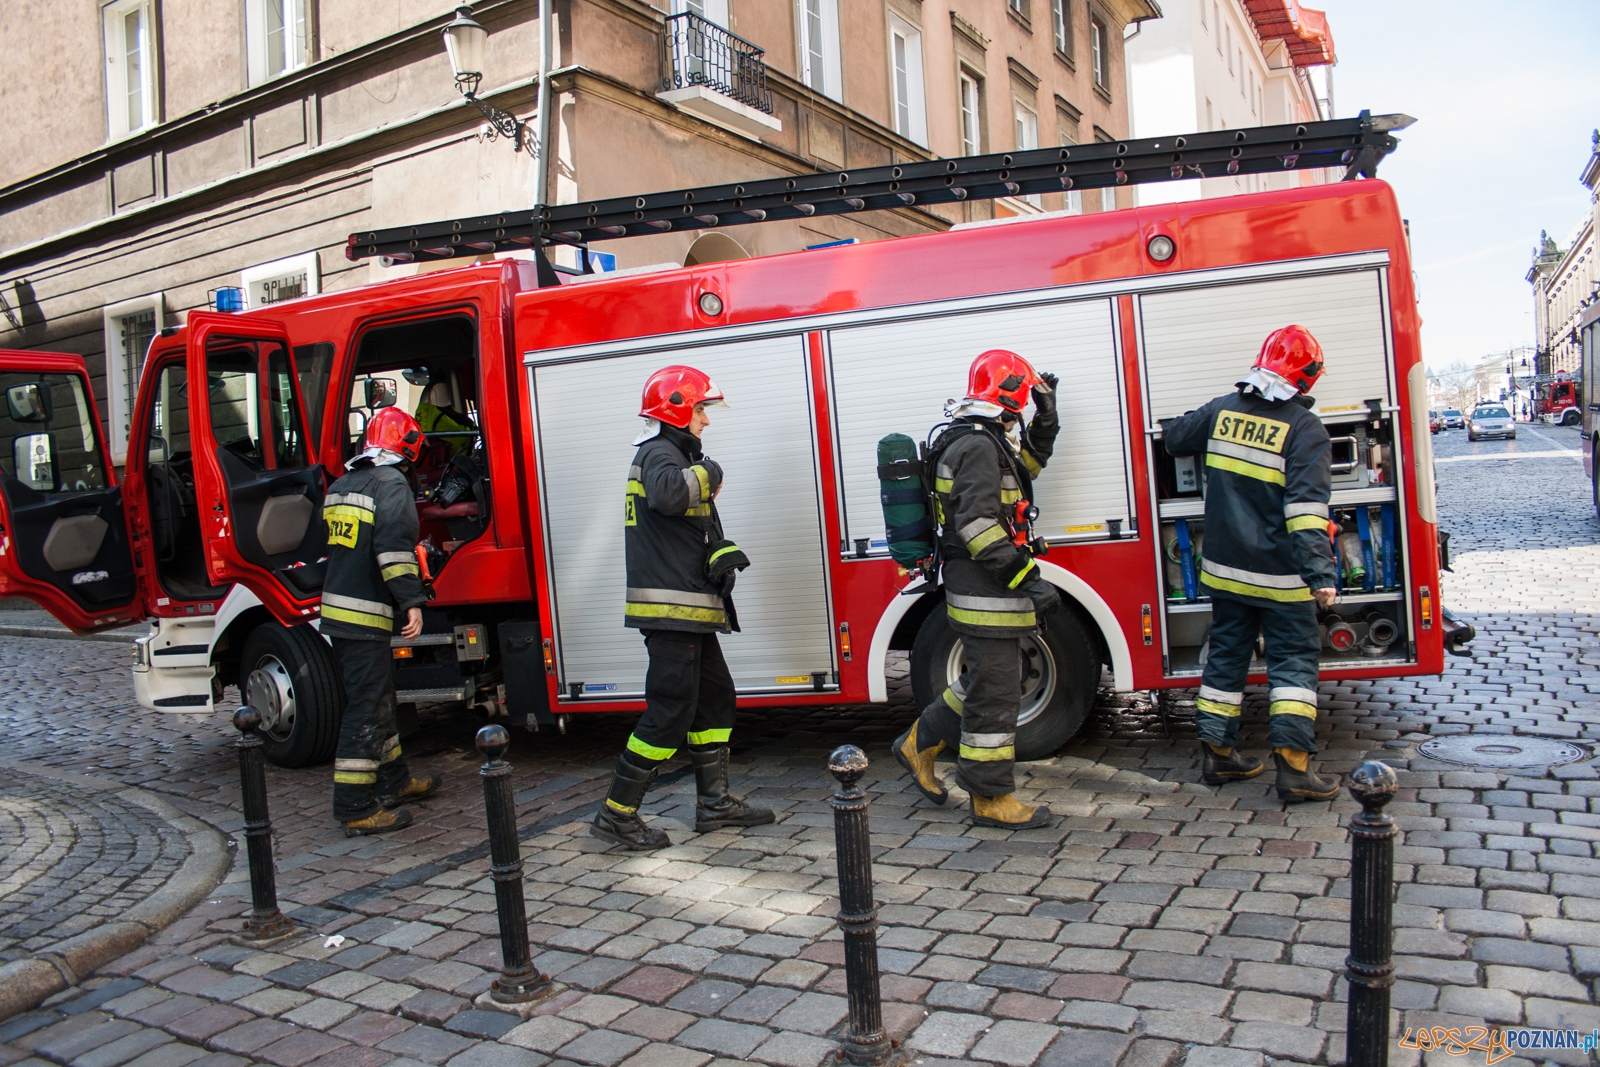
x=1160, y=923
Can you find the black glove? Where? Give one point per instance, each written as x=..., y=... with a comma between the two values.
x=713, y=471
x=725, y=556
x=1046, y=601
x=1044, y=395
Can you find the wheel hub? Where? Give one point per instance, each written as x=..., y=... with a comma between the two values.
x=270, y=691
x=1038, y=675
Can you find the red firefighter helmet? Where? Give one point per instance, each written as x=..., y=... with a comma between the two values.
x=392, y=429
x=1294, y=355
x=1001, y=377
x=671, y=393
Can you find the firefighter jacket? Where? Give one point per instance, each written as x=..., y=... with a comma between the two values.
x=1268, y=480
x=669, y=526
x=373, y=575
x=978, y=479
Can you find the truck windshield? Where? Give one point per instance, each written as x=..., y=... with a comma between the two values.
x=47, y=433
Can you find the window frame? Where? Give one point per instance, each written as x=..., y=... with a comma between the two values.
x=297, y=53
x=1061, y=29
x=1099, y=52
x=973, y=145
x=915, y=126
x=120, y=399
x=831, y=74
x=113, y=24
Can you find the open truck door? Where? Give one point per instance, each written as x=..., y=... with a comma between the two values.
x=257, y=482
x=63, y=537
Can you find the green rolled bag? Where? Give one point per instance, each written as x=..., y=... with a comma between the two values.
x=904, y=493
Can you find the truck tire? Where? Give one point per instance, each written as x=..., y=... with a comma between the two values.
x=1571, y=417
x=1057, y=696
x=289, y=676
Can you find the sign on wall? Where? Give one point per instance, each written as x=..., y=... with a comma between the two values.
x=283, y=279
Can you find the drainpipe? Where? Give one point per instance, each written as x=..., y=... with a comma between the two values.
x=541, y=165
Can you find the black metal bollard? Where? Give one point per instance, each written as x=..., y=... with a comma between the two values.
x=519, y=981
x=266, y=922
x=1369, y=967
x=858, y=914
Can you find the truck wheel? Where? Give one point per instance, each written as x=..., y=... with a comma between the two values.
x=1570, y=418
x=1058, y=689
x=290, y=678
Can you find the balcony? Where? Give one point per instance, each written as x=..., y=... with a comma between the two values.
x=716, y=76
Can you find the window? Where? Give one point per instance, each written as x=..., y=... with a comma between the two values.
x=1211, y=122
x=971, y=114
x=1108, y=198
x=1019, y=6
x=275, y=37
x=1098, y=49
x=130, y=326
x=1204, y=24
x=1026, y=128
x=1215, y=21
x=1061, y=25
x=910, y=98
x=1227, y=46
x=48, y=433
x=819, y=45
x=130, y=65
x=233, y=372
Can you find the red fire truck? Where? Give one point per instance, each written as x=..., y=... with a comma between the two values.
x=1558, y=399
x=242, y=420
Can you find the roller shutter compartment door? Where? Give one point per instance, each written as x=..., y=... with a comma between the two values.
x=896, y=377
x=1199, y=342
x=770, y=505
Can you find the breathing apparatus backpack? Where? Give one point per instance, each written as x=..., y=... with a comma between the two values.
x=907, y=516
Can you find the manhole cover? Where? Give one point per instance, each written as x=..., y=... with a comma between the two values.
x=1469, y=751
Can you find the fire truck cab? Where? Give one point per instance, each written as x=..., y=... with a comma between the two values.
x=242, y=420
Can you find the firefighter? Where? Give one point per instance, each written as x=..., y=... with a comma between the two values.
x=984, y=464
x=680, y=572
x=373, y=578
x=434, y=414
x=1268, y=563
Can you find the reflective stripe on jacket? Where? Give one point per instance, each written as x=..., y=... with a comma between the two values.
x=669, y=524
x=1268, y=482
x=373, y=577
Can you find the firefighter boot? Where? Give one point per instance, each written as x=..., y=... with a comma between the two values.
x=379, y=822
x=1219, y=766
x=920, y=763
x=715, y=808
x=1296, y=779
x=413, y=789
x=618, y=820
x=1007, y=813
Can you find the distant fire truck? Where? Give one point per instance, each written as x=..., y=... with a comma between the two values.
x=1557, y=398
x=242, y=420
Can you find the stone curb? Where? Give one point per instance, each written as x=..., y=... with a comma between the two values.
x=55, y=634
x=24, y=983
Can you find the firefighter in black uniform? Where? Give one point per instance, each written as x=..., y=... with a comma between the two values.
x=373, y=578
x=983, y=468
x=1268, y=563
x=680, y=580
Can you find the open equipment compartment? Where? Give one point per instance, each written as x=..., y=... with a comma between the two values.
x=1194, y=344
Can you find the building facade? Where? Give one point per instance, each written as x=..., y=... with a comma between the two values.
x=1223, y=64
x=161, y=150
x=1566, y=281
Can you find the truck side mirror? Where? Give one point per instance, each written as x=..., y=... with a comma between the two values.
x=34, y=456
x=27, y=403
x=382, y=393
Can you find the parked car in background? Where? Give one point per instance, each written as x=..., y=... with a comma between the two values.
x=1453, y=419
x=1491, y=420
x=1435, y=422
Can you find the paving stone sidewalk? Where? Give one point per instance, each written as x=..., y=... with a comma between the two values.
x=1160, y=923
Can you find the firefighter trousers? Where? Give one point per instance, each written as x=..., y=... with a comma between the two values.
x=367, y=763
x=1293, y=645
x=977, y=716
x=688, y=696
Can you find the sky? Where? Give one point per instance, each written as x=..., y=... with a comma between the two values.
x=1505, y=97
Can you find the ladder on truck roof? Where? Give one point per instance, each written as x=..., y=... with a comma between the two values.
x=1356, y=144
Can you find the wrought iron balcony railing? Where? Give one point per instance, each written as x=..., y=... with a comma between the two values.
x=697, y=52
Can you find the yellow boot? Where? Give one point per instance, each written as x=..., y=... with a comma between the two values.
x=1007, y=813
x=414, y=789
x=1296, y=779
x=379, y=822
x=920, y=764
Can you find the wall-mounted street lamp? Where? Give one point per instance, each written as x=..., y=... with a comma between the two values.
x=464, y=41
